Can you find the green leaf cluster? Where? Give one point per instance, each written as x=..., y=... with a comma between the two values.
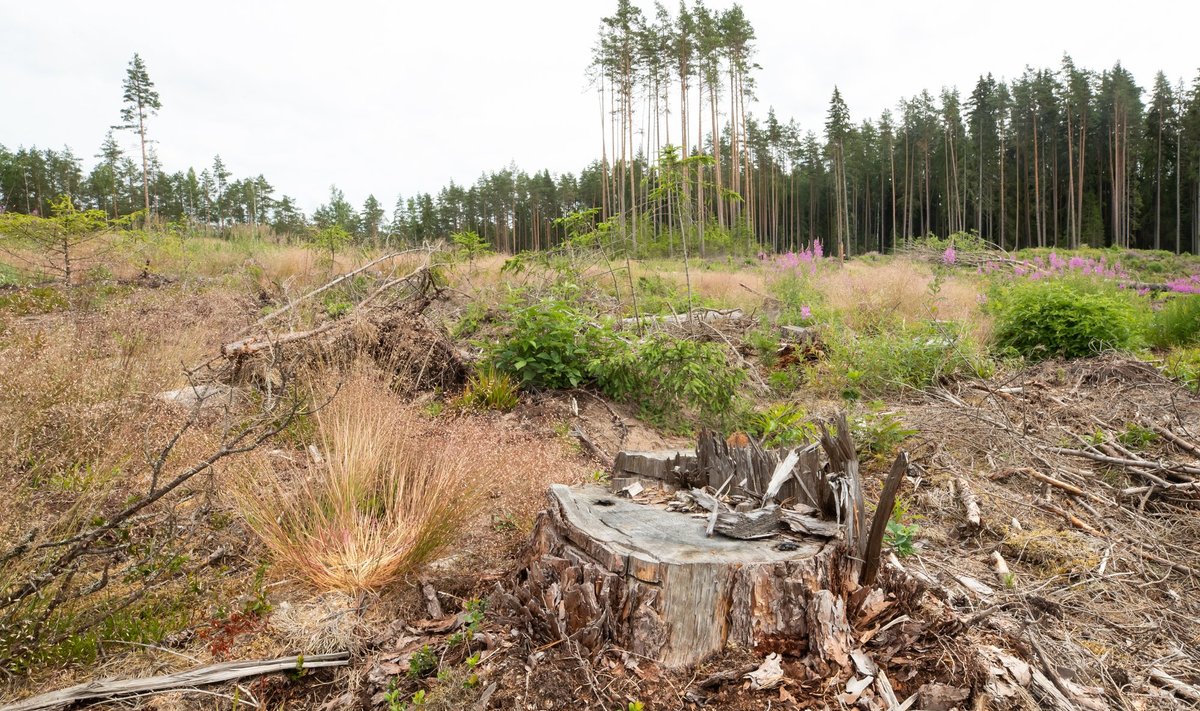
x=1071, y=318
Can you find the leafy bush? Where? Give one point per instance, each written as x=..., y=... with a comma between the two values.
x=548, y=344
x=879, y=433
x=489, y=389
x=1177, y=323
x=1071, y=318
x=1184, y=365
x=798, y=295
x=670, y=378
x=782, y=425
x=552, y=344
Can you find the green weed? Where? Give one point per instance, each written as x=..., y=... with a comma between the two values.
x=490, y=389
x=1177, y=323
x=782, y=425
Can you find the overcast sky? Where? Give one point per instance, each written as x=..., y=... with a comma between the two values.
x=399, y=97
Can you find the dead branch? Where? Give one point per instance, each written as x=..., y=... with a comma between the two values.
x=354, y=272
x=1185, y=690
x=970, y=502
x=1124, y=462
x=214, y=674
x=883, y=514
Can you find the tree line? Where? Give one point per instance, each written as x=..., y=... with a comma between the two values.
x=1060, y=156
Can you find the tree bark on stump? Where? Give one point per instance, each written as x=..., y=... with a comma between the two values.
x=604, y=568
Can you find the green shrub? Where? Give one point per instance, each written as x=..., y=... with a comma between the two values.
x=670, y=379
x=1177, y=323
x=489, y=389
x=548, y=344
x=907, y=355
x=1072, y=318
x=782, y=425
x=878, y=433
x=552, y=344
x=798, y=296
x=1183, y=364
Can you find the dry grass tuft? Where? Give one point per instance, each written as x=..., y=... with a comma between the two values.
x=383, y=503
x=330, y=622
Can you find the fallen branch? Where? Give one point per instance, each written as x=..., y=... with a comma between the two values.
x=254, y=344
x=1121, y=461
x=329, y=285
x=970, y=502
x=1044, y=478
x=215, y=674
x=1185, y=690
x=1176, y=439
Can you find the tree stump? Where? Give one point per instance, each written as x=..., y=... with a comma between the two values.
x=601, y=567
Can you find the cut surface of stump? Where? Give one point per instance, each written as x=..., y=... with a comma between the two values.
x=604, y=567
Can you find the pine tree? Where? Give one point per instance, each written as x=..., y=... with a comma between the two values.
x=141, y=102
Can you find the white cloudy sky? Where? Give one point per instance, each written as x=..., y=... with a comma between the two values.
x=391, y=97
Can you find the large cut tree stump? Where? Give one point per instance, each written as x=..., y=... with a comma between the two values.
x=604, y=568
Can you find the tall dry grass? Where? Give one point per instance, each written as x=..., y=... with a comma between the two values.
x=381, y=504
x=871, y=295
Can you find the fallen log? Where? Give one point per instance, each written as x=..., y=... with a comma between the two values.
x=118, y=688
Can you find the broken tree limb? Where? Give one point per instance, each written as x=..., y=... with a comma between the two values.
x=883, y=514
x=1187, y=691
x=214, y=674
x=1164, y=486
x=970, y=502
x=250, y=346
x=1176, y=439
x=1046, y=479
x=1001, y=566
x=1123, y=462
x=325, y=287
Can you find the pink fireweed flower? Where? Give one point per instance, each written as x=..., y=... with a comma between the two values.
x=805, y=312
x=949, y=256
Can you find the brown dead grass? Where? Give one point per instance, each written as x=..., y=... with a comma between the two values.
x=383, y=503
x=869, y=294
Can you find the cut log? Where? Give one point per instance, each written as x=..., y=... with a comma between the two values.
x=602, y=568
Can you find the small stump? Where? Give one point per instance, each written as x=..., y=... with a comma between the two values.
x=602, y=567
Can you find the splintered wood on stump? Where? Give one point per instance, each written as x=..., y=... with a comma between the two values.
x=601, y=567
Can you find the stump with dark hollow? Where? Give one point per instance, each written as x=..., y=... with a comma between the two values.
x=775, y=571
